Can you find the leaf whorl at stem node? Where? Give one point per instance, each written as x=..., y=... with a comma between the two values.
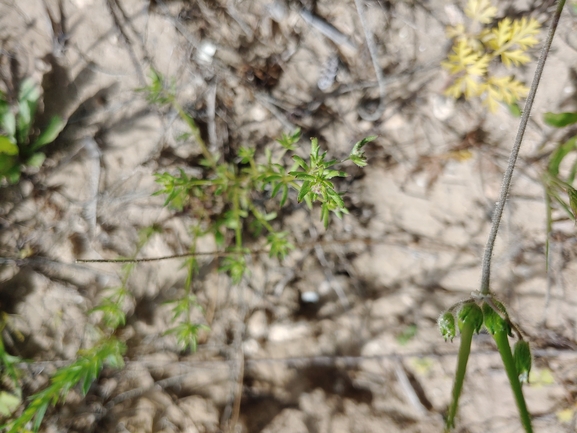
x=470, y=314
x=493, y=320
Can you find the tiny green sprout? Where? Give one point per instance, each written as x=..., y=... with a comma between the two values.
x=357, y=154
x=289, y=141
x=523, y=361
x=470, y=314
x=20, y=140
x=493, y=321
x=235, y=266
x=279, y=245
x=446, y=325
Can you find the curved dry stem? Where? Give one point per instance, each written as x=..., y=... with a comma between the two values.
x=506, y=184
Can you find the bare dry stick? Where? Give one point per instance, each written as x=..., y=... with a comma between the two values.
x=371, y=117
x=506, y=184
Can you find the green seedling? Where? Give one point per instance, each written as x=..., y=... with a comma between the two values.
x=107, y=350
x=20, y=142
x=480, y=46
x=235, y=187
x=83, y=371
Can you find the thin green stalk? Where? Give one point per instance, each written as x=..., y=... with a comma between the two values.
x=506, y=185
x=194, y=128
x=236, y=210
x=505, y=350
x=464, y=351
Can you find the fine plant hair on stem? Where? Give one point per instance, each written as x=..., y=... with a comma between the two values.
x=506, y=184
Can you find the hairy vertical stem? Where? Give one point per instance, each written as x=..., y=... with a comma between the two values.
x=505, y=350
x=506, y=184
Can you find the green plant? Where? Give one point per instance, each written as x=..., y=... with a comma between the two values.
x=107, y=350
x=11, y=397
x=558, y=185
x=232, y=187
x=479, y=45
x=226, y=202
x=483, y=309
x=20, y=142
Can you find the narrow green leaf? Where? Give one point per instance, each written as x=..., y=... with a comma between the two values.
x=7, y=146
x=39, y=416
x=7, y=119
x=284, y=196
x=27, y=101
x=559, y=154
x=36, y=160
x=302, y=176
x=305, y=189
x=329, y=174
x=301, y=162
x=49, y=134
x=276, y=189
x=325, y=216
x=559, y=120
x=314, y=148
x=28, y=91
x=572, y=200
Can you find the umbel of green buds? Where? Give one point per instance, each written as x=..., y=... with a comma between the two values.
x=470, y=315
x=446, y=325
x=493, y=321
x=522, y=356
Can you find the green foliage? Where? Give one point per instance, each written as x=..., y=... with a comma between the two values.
x=83, y=371
x=19, y=141
x=523, y=360
x=446, y=325
x=185, y=328
x=236, y=188
x=470, y=315
x=11, y=398
x=479, y=46
x=492, y=316
x=560, y=120
x=107, y=351
x=558, y=184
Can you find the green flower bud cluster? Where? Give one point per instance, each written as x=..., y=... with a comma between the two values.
x=469, y=314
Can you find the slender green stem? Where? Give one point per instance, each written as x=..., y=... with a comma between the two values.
x=505, y=350
x=194, y=128
x=506, y=185
x=236, y=209
x=464, y=351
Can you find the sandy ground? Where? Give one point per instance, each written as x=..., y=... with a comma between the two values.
x=366, y=356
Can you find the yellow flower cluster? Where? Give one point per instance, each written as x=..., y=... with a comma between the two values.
x=473, y=52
